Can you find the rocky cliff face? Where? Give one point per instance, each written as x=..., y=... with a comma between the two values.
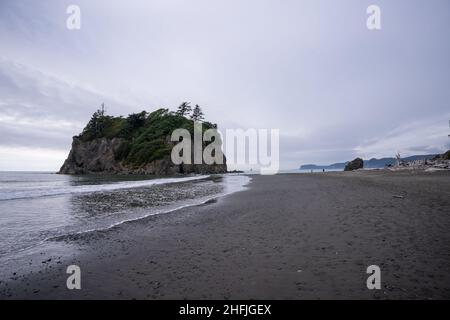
x=99, y=156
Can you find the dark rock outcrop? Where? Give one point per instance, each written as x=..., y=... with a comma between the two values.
x=443, y=156
x=92, y=156
x=355, y=164
x=137, y=144
x=98, y=156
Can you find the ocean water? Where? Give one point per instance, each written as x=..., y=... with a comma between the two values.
x=40, y=207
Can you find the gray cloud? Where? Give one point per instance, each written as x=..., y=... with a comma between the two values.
x=310, y=68
x=39, y=110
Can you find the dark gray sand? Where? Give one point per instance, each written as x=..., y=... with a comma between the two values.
x=289, y=236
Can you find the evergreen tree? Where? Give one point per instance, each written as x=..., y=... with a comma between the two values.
x=197, y=113
x=184, y=109
x=136, y=120
x=97, y=124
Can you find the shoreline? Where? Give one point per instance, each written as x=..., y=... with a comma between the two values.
x=288, y=236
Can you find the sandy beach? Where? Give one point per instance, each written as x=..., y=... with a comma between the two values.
x=288, y=236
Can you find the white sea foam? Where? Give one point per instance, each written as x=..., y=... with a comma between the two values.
x=34, y=191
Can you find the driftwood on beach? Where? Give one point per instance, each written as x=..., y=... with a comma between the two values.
x=440, y=162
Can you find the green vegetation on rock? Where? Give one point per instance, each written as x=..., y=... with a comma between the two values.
x=146, y=136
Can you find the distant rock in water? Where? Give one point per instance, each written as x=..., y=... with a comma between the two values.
x=138, y=144
x=355, y=164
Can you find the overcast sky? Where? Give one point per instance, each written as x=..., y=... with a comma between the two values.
x=312, y=69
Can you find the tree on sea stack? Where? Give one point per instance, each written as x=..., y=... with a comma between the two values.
x=136, y=120
x=97, y=123
x=197, y=113
x=184, y=109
